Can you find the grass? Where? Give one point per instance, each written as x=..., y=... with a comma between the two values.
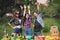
x=48, y=23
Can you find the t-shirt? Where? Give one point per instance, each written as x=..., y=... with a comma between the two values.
x=16, y=21
x=37, y=27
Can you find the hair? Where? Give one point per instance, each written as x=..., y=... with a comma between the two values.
x=16, y=14
x=37, y=12
x=25, y=18
x=19, y=14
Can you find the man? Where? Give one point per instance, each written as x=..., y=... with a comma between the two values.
x=38, y=23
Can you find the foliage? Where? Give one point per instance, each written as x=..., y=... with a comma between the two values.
x=12, y=5
x=50, y=11
x=48, y=23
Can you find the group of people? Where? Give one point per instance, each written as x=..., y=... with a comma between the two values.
x=25, y=19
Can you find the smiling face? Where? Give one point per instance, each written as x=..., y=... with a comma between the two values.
x=27, y=16
x=35, y=14
x=17, y=13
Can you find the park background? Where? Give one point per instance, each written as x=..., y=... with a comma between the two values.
x=51, y=14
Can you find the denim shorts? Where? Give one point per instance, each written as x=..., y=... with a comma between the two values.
x=17, y=30
x=36, y=33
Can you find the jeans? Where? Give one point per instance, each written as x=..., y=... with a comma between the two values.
x=27, y=32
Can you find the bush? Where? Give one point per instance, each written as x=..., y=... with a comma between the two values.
x=50, y=11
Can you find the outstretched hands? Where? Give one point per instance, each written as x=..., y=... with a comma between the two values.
x=25, y=9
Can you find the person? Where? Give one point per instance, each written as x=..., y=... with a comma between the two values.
x=38, y=23
x=17, y=24
x=27, y=22
x=27, y=25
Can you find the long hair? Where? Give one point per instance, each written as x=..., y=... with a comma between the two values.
x=25, y=18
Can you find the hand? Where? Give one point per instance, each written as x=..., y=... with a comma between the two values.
x=21, y=7
x=33, y=25
x=13, y=27
x=9, y=24
x=28, y=7
x=24, y=6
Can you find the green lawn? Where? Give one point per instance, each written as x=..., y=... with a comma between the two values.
x=48, y=23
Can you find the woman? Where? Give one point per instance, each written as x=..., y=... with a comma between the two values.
x=17, y=24
x=39, y=24
x=27, y=23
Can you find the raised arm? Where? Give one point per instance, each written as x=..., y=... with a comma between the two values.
x=24, y=10
x=29, y=9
